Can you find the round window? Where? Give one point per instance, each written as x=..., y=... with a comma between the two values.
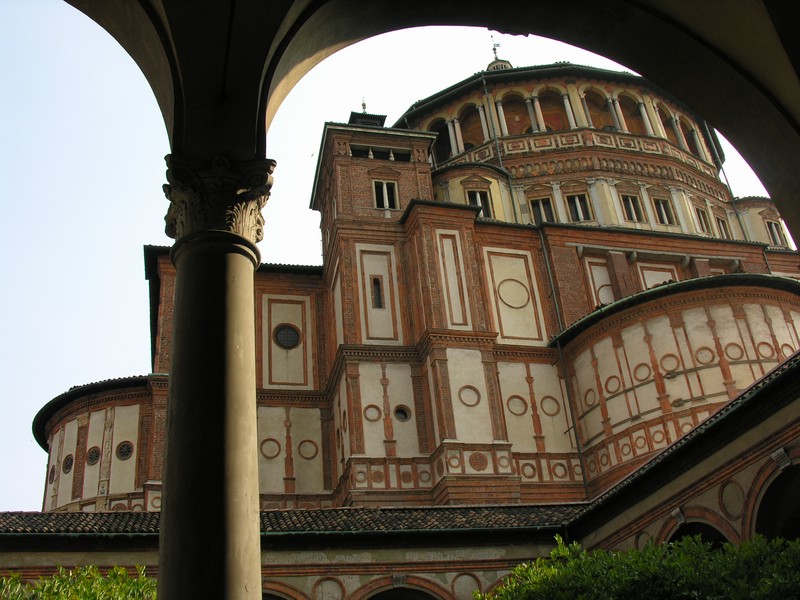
x=66, y=466
x=124, y=450
x=287, y=336
x=93, y=455
x=402, y=413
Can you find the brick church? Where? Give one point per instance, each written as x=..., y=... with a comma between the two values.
x=540, y=311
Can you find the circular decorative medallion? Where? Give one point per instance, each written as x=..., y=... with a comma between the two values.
x=454, y=462
x=424, y=476
x=360, y=476
x=734, y=351
x=406, y=477
x=528, y=471
x=503, y=462
x=591, y=465
x=124, y=450
x=377, y=476
x=625, y=449
x=731, y=499
x=590, y=397
x=270, y=448
x=670, y=363
x=93, y=455
x=156, y=502
x=550, y=406
x=787, y=350
x=372, y=413
x=613, y=384
x=286, y=336
x=469, y=395
x=641, y=372
x=658, y=436
x=66, y=466
x=640, y=442
x=560, y=470
x=704, y=355
x=478, y=461
x=513, y=293
x=765, y=350
x=308, y=449
x=517, y=405
x=604, y=460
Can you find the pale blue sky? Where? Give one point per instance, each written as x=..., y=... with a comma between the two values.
x=81, y=158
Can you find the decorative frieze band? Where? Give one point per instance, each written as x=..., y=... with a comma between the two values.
x=225, y=195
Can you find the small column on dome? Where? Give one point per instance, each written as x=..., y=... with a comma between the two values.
x=453, y=143
x=537, y=109
x=502, y=116
x=531, y=115
x=646, y=119
x=568, y=109
x=459, y=137
x=484, y=124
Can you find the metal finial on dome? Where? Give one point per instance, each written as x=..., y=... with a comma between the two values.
x=498, y=63
x=495, y=46
x=363, y=106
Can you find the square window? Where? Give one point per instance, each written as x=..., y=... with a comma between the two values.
x=385, y=194
x=633, y=208
x=578, y=208
x=664, y=212
x=481, y=199
x=542, y=209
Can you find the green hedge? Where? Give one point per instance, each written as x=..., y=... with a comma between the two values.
x=756, y=569
x=82, y=583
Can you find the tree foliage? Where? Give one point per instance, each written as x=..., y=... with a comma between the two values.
x=82, y=583
x=686, y=569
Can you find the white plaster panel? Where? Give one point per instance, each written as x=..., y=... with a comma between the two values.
x=372, y=393
x=271, y=471
x=555, y=415
x=519, y=426
x=65, y=479
x=91, y=473
x=638, y=353
x=653, y=274
x=401, y=393
x=453, y=280
x=378, y=324
x=126, y=429
x=307, y=450
x=514, y=296
x=434, y=400
x=287, y=367
x=54, y=459
x=342, y=428
x=473, y=423
x=597, y=270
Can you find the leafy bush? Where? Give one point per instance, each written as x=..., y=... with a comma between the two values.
x=82, y=583
x=754, y=570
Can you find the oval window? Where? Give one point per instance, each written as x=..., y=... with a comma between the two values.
x=287, y=336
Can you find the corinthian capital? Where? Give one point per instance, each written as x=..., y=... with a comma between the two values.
x=223, y=195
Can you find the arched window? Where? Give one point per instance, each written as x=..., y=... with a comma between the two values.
x=632, y=115
x=555, y=116
x=517, y=119
x=707, y=533
x=471, y=129
x=779, y=512
x=666, y=123
x=598, y=111
x=441, y=147
x=689, y=134
x=377, y=292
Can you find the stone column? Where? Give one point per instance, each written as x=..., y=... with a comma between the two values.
x=452, y=132
x=676, y=127
x=484, y=125
x=537, y=109
x=613, y=113
x=459, y=137
x=620, y=117
x=586, y=112
x=568, y=109
x=531, y=116
x=502, y=118
x=210, y=533
x=648, y=127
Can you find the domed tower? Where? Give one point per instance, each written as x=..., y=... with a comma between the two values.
x=532, y=283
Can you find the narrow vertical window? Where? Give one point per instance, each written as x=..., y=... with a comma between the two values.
x=702, y=221
x=542, y=210
x=480, y=199
x=633, y=208
x=724, y=231
x=377, y=292
x=385, y=194
x=578, y=208
x=664, y=212
x=776, y=237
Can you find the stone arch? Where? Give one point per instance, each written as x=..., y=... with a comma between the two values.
x=442, y=150
x=517, y=119
x=555, y=115
x=411, y=587
x=274, y=590
x=778, y=510
x=697, y=520
x=471, y=128
x=630, y=111
x=597, y=104
x=666, y=117
x=687, y=129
